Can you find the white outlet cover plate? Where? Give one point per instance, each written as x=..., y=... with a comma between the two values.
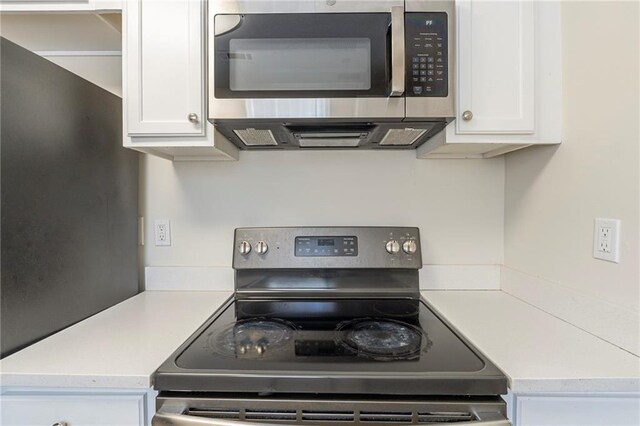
x=162, y=232
x=607, y=233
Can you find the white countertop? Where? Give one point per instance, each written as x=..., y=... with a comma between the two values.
x=537, y=351
x=120, y=347
x=123, y=346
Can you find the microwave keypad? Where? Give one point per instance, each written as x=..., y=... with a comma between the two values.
x=427, y=52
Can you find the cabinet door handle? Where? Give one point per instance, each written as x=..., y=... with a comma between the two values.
x=467, y=115
x=193, y=117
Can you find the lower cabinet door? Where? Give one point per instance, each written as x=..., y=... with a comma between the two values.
x=73, y=410
x=607, y=410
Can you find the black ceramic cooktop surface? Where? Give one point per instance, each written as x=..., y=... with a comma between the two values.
x=363, y=346
x=397, y=335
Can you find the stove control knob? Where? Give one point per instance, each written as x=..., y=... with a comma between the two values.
x=409, y=247
x=392, y=246
x=261, y=247
x=244, y=248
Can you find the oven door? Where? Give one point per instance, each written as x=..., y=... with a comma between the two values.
x=287, y=63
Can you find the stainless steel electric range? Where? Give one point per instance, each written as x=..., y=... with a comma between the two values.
x=327, y=327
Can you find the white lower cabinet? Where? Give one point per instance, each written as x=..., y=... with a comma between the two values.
x=575, y=410
x=136, y=407
x=84, y=407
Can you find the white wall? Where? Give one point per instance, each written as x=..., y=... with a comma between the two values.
x=458, y=204
x=103, y=71
x=553, y=194
x=86, y=44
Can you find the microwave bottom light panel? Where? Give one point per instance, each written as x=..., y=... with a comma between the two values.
x=402, y=136
x=329, y=143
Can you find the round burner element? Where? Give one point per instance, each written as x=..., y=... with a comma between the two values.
x=381, y=338
x=252, y=338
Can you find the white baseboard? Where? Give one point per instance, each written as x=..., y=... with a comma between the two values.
x=432, y=277
x=610, y=322
x=460, y=277
x=188, y=278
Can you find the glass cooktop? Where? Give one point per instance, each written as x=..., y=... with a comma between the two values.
x=363, y=335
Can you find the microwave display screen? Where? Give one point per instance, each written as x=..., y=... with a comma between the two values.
x=299, y=64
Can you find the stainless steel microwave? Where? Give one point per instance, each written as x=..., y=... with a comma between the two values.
x=330, y=73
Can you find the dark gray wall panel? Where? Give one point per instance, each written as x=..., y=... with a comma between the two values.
x=69, y=200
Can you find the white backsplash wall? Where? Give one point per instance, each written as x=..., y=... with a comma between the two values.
x=457, y=204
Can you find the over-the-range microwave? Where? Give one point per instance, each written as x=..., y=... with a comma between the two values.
x=330, y=73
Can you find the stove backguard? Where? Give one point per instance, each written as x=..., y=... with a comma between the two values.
x=327, y=262
x=323, y=283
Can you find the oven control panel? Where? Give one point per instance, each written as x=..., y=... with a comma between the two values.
x=327, y=248
x=427, y=59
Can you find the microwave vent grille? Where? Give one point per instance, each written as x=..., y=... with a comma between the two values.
x=256, y=137
x=402, y=136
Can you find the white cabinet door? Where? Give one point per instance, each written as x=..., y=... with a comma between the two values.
x=496, y=67
x=79, y=409
x=557, y=410
x=164, y=67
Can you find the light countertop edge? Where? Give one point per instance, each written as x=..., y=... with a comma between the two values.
x=538, y=352
x=120, y=347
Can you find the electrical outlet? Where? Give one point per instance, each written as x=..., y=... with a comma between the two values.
x=606, y=241
x=162, y=232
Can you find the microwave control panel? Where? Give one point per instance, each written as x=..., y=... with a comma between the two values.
x=426, y=50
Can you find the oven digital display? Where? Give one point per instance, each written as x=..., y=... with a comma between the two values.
x=326, y=246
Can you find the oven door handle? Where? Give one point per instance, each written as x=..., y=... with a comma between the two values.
x=173, y=419
x=176, y=418
x=490, y=418
x=397, y=51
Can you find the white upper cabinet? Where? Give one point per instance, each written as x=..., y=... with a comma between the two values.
x=508, y=75
x=164, y=82
x=165, y=67
x=508, y=80
x=496, y=67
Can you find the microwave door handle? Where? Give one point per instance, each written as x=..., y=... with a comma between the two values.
x=397, y=51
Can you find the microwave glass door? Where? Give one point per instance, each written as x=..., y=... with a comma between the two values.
x=303, y=55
